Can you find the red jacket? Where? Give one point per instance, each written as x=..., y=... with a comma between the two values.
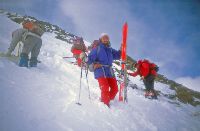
x=76, y=52
x=144, y=68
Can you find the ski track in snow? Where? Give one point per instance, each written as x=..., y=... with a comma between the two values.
x=43, y=98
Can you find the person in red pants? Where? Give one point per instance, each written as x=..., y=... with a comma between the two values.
x=102, y=58
x=148, y=72
x=77, y=48
x=76, y=54
x=108, y=88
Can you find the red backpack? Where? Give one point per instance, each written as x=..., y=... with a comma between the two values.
x=144, y=67
x=153, y=68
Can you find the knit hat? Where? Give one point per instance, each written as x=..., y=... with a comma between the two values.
x=103, y=34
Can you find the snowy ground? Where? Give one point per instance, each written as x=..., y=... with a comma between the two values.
x=43, y=98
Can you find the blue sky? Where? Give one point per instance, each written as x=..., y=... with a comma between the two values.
x=166, y=32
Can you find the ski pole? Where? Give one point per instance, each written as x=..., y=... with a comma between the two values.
x=86, y=74
x=80, y=86
x=68, y=57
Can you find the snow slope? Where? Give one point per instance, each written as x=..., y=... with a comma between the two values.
x=43, y=98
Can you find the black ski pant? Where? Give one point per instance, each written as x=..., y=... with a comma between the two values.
x=149, y=82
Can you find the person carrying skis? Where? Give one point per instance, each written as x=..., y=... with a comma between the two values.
x=148, y=72
x=77, y=48
x=102, y=58
x=32, y=43
x=17, y=36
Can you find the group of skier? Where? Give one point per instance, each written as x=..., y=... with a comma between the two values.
x=99, y=59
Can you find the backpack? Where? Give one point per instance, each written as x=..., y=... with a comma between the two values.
x=154, y=67
x=33, y=27
x=79, y=45
x=27, y=25
x=91, y=66
x=93, y=45
x=38, y=30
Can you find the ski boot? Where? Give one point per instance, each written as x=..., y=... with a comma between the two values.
x=33, y=62
x=146, y=94
x=153, y=94
x=23, y=62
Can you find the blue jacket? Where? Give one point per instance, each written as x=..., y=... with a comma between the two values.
x=105, y=56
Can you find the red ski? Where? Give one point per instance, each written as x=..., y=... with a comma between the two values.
x=123, y=83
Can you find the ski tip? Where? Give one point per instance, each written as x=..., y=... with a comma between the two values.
x=126, y=23
x=152, y=97
x=125, y=28
x=78, y=103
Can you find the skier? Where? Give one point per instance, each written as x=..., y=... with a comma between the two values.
x=77, y=48
x=102, y=58
x=148, y=72
x=32, y=43
x=17, y=36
